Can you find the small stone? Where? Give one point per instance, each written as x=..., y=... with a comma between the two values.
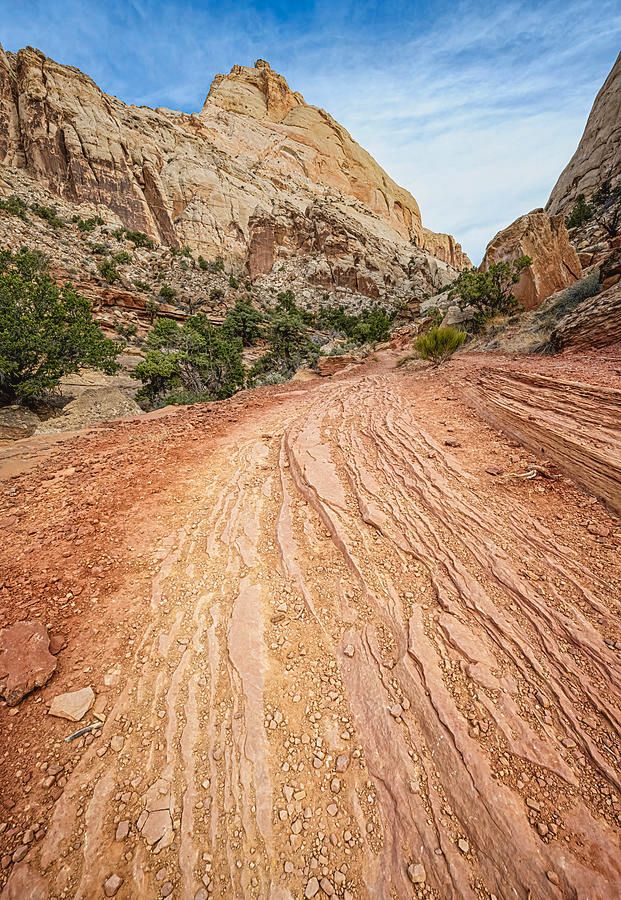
x=312, y=888
x=349, y=650
x=111, y=885
x=342, y=762
x=122, y=830
x=327, y=887
x=416, y=873
x=20, y=853
x=532, y=804
x=463, y=845
x=117, y=742
x=167, y=889
x=73, y=705
x=396, y=710
x=552, y=877
x=542, y=828
x=335, y=785
x=332, y=809
x=288, y=867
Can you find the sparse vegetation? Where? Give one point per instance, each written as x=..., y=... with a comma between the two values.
x=213, y=266
x=108, y=270
x=245, y=322
x=580, y=213
x=607, y=208
x=48, y=213
x=233, y=282
x=122, y=257
x=370, y=326
x=490, y=292
x=138, y=238
x=439, y=344
x=87, y=225
x=46, y=330
x=190, y=362
x=167, y=293
x=14, y=206
x=142, y=286
x=216, y=294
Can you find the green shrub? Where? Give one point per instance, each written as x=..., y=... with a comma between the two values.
x=438, y=344
x=87, y=225
x=14, y=206
x=109, y=271
x=490, y=292
x=580, y=213
x=216, y=294
x=213, y=266
x=167, y=292
x=245, y=322
x=195, y=358
x=48, y=213
x=126, y=331
x=370, y=326
x=138, y=238
x=233, y=282
x=142, y=286
x=46, y=330
x=122, y=257
x=99, y=249
x=152, y=309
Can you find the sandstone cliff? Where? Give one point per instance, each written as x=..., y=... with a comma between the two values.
x=555, y=264
x=598, y=156
x=257, y=176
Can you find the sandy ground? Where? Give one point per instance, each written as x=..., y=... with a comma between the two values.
x=340, y=647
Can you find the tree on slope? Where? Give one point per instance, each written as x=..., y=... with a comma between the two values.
x=46, y=330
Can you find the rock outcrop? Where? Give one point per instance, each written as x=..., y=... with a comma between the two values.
x=255, y=176
x=598, y=156
x=555, y=264
x=596, y=322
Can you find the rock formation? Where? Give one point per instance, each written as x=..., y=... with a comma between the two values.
x=598, y=156
x=555, y=264
x=257, y=176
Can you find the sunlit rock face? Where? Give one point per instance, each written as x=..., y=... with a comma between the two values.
x=257, y=176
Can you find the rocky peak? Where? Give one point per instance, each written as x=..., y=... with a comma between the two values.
x=598, y=156
x=255, y=91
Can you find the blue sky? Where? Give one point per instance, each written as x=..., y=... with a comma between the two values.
x=475, y=107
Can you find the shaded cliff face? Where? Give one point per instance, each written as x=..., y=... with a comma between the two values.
x=236, y=179
x=598, y=156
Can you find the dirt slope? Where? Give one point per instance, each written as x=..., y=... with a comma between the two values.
x=341, y=651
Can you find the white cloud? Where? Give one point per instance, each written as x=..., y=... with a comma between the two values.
x=472, y=105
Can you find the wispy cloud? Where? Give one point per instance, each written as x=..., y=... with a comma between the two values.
x=474, y=106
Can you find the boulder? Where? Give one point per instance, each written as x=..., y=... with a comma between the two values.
x=555, y=264
x=97, y=404
x=25, y=660
x=17, y=422
x=455, y=315
x=73, y=705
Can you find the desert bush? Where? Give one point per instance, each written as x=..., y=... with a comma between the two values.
x=108, y=270
x=14, y=206
x=46, y=330
x=48, y=213
x=195, y=358
x=439, y=344
x=216, y=294
x=490, y=292
x=167, y=292
x=245, y=322
x=370, y=326
x=580, y=213
x=122, y=257
x=138, y=238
